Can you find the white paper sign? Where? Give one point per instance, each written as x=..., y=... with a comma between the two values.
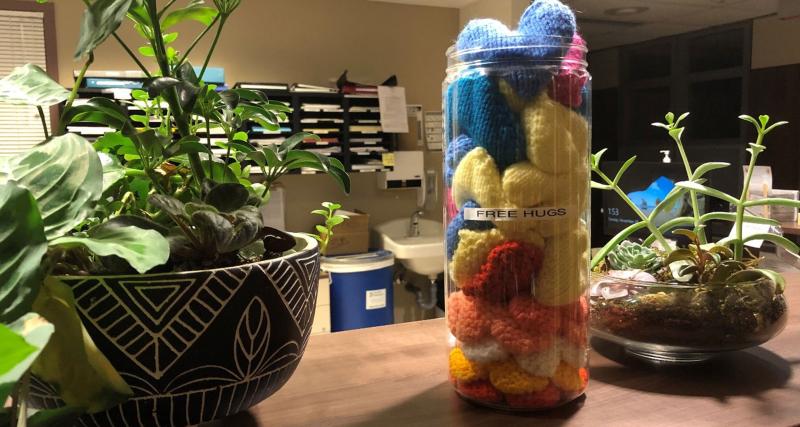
x=376, y=299
x=394, y=114
x=748, y=229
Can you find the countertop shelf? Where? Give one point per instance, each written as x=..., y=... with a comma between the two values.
x=396, y=376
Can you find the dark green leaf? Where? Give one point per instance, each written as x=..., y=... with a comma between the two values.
x=98, y=110
x=134, y=221
x=65, y=416
x=158, y=85
x=220, y=171
x=30, y=85
x=688, y=233
x=293, y=141
x=100, y=19
x=679, y=255
x=227, y=197
x=170, y=205
x=23, y=244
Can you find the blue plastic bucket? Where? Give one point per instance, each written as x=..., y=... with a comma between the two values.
x=361, y=290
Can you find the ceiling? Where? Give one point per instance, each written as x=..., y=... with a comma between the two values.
x=662, y=17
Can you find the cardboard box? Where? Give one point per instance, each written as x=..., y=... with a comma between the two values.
x=351, y=236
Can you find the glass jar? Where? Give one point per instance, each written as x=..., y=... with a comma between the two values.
x=517, y=121
x=672, y=323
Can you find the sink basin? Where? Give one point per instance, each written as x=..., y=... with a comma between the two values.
x=423, y=254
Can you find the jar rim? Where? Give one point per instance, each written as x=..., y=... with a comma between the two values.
x=516, y=42
x=597, y=277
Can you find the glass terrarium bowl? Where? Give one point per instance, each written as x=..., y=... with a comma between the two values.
x=667, y=323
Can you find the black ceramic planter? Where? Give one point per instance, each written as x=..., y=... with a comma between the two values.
x=200, y=345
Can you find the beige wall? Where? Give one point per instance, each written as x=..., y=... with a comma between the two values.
x=501, y=10
x=775, y=42
x=312, y=41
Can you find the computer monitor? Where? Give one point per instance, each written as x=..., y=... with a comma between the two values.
x=646, y=184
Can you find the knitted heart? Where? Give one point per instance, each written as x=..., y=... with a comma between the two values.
x=469, y=319
x=547, y=398
x=508, y=271
x=477, y=179
x=508, y=377
x=564, y=276
x=456, y=150
x=567, y=86
x=545, y=19
x=458, y=223
x=483, y=114
x=480, y=390
x=473, y=248
x=452, y=209
x=486, y=351
x=557, y=137
x=489, y=39
x=573, y=320
x=464, y=369
x=532, y=316
x=515, y=339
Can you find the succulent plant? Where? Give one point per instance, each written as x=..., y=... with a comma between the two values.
x=633, y=256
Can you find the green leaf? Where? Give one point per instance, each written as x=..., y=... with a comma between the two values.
x=100, y=19
x=147, y=51
x=240, y=136
x=622, y=170
x=30, y=85
x=22, y=245
x=158, y=85
x=258, y=157
x=731, y=217
x=707, y=191
x=595, y=158
x=688, y=233
x=670, y=117
x=170, y=205
x=143, y=249
x=170, y=37
x=220, y=171
x=774, y=238
x=616, y=240
x=20, y=344
x=71, y=362
x=195, y=11
x=777, y=278
x=112, y=140
x=320, y=212
x=775, y=125
x=65, y=177
x=139, y=95
x=773, y=201
x=681, y=254
x=98, y=110
x=321, y=229
x=706, y=168
x=293, y=141
x=750, y=119
x=331, y=205
x=227, y=197
x=113, y=171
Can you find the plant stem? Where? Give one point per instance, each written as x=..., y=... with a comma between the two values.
x=44, y=122
x=738, y=244
x=165, y=8
x=185, y=56
x=131, y=54
x=701, y=233
x=213, y=45
x=62, y=127
x=208, y=144
x=653, y=229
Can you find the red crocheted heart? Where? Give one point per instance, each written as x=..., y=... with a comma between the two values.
x=573, y=321
x=509, y=271
x=534, y=317
x=480, y=390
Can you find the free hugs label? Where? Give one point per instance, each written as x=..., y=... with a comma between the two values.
x=516, y=214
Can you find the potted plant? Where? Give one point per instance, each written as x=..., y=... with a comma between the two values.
x=685, y=303
x=143, y=257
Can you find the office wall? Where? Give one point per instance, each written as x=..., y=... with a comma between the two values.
x=775, y=42
x=311, y=41
x=502, y=10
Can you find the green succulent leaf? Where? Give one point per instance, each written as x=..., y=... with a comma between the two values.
x=71, y=361
x=30, y=85
x=622, y=170
x=633, y=256
x=773, y=201
x=595, y=158
x=23, y=244
x=616, y=240
x=706, y=168
x=774, y=238
x=100, y=20
x=707, y=191
x=731, y=217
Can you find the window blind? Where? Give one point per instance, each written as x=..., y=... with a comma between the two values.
x=21, y=42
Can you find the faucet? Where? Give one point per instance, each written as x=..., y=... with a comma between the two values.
x=413, y=225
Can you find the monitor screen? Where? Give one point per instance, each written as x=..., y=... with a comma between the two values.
x=646, y=184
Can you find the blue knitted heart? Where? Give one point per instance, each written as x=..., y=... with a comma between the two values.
x=483, y=114
x=543, y=20
x=491, y=40
x=456, y=150
x=459, y=223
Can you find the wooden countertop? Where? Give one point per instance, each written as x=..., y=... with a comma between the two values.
x=396, y=376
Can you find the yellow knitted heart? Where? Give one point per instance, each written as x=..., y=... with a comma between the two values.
x=526, y=185
x=568, y=378
x=477, y=178
x=557, y=137
x=564, y=275
x=515, y=102
x=508, y=377
x=463, y=369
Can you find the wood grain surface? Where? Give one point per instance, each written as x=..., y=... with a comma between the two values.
x=396, y=376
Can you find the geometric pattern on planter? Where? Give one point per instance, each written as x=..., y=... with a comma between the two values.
x=295, y=294
x=137, y=325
